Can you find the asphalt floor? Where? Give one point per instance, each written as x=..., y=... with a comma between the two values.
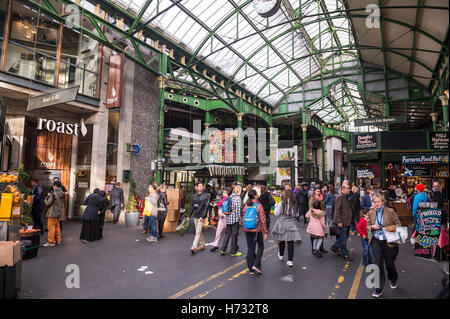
x=125, y=266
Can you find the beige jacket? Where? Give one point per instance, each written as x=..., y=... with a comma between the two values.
x=390, y=222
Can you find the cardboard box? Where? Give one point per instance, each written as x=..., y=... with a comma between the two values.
x=169, y=227
x=173, y=215
x=174, y=204
x=10, y=253
x=173, y=193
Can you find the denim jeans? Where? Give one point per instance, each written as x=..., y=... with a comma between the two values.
x=149, y=222
x=341, y=241
x=367, y=251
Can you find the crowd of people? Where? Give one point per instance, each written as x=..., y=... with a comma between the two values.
x=325, y=211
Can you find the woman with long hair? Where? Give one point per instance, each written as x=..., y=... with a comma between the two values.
x=287, y=227
x=255, y=235
x=150, y=213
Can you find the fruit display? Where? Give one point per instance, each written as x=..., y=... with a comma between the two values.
x=8, y=185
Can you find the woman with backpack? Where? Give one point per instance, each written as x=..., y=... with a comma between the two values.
x=287, y=227
x=224, y=208
x=254, y=226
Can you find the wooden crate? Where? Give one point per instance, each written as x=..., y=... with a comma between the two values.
x=169, y=227
x=173, y=215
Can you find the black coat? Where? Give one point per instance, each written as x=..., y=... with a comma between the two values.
x=266, y=201
x=162, y=201
x=199, y=205
x=356, y=205
x=94, y=204
x=437, y=197
x=302, y=198
x=38, y=199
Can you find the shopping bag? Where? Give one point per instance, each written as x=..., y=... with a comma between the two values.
x=399, y=236
x=182, y=227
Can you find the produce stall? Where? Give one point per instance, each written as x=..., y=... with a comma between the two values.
x=10, y=251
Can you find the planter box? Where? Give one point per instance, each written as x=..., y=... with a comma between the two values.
x=169, y=227
x=131, y=219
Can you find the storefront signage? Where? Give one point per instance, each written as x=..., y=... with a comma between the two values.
x=380, y=120
x=220, y=170
x=424, y=159
x=439, y=140
x=420, y=171
x=428, y=226
x=365, y=142
x=365, y=173
x=61, y=127
x=51, y=164
x=114, y=91
x=57, y=97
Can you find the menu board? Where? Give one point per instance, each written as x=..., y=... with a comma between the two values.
x=417, y=170
x=439, y=140
x=428, y=227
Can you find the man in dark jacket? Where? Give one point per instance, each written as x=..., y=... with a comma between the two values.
x=199, y=209
x=116, y=197
x=343, y=218
x=302, y=199
x=38, y=205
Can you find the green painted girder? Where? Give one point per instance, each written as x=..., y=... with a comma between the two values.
x=213, y=104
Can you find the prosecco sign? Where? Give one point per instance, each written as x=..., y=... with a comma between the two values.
x=57, y=97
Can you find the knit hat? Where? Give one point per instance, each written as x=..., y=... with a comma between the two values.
x=420, y=187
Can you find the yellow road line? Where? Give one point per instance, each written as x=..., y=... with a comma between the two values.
x=203, y=294
x=204, y=281
x=355, y=286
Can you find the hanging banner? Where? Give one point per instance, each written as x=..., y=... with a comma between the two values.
x=284, y=173
x=428, y=227
x=114, y=91
x=52, y=98
x=381, y=120
x=439, y=140
x=365, y=142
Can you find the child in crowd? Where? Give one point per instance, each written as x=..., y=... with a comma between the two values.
x=316, y=226
x=362, y=231
x=222, y=222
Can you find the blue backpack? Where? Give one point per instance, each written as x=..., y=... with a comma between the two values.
x=226, y=206
x=251, y=219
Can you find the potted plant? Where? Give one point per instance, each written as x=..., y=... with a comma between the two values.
x=132, y=212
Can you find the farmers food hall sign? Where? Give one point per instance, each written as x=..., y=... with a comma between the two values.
x=424, y=159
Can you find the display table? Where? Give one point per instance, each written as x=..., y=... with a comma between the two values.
x=403, y=214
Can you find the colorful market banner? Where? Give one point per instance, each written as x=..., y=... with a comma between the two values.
x=428, y=227
x=284, y=173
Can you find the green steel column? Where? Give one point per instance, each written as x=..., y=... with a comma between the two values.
x=162, y=84
x=444, y=100
x=271, y=156
x=324, y=149
x=240, y=145
x=387, y=112
x=304, y=128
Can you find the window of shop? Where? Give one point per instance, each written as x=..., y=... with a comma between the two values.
x=32, y=45
x=112, y=147
x=3, y=15
x=79, y=60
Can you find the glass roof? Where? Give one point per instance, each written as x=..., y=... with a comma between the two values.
x=270, y=57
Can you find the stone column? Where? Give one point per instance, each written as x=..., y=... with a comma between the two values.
x=73, y=171
x=99, y=149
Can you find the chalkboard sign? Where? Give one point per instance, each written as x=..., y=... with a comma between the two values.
x=428, y=227
x=439, y=140
x=404, y=140
x=365, y=142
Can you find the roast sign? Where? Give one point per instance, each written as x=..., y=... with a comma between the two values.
x=61, y=127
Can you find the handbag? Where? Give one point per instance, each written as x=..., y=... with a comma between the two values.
x=399, y=236
x=334, y=231
x=182, y=227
